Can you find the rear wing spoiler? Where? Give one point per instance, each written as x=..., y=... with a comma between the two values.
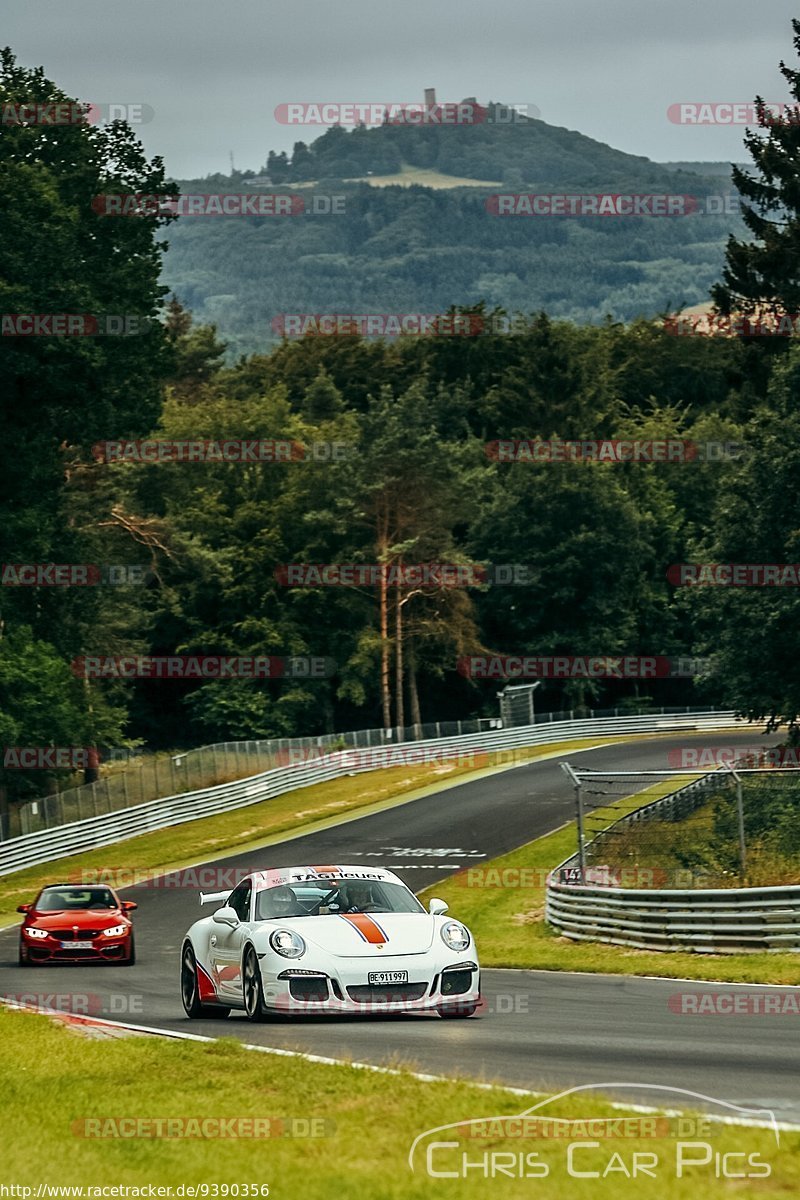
x=210, y=897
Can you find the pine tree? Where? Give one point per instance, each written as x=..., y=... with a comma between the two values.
x=766, y=273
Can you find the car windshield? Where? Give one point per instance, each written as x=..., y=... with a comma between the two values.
x=69, y=899
x=335, y=897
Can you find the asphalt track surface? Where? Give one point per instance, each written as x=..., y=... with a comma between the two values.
x=540, y=1030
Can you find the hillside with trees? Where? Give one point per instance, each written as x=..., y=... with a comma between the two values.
x=414, y=248
x=415, y=484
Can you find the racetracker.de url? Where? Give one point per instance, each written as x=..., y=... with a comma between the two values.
x=191, y=1191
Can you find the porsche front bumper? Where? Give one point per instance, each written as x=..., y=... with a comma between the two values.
x=346, y=988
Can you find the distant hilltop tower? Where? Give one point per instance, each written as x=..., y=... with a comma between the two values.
x=430, y=97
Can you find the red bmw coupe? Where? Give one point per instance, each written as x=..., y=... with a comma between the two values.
x=75, y=923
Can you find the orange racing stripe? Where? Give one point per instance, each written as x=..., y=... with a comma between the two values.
x=370, y=930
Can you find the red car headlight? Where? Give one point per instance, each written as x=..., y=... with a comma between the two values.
x=115, y=931
x=35, y=933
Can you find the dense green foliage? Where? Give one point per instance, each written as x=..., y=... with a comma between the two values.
x=415, y=484
x=762, y=272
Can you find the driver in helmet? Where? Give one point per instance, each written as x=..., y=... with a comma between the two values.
x=356, y=897
x=283, y=902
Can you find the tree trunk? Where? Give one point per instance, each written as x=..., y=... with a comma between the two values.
x=398, y=660
x=413, y=694
x=386, y=699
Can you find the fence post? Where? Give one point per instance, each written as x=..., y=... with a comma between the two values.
x=742, y=843
x=579, y=813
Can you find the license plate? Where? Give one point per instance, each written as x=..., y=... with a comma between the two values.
x=76, y=946
x=387, y=977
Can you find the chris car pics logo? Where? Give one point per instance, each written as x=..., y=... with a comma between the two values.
x=536, y=1145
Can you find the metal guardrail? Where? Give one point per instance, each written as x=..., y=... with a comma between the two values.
x=718, y=921
x=700, y=920
x=150, y=776
x=35, y=848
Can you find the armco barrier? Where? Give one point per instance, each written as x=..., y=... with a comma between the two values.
x=709, y=921
x=34, y=848
x=702, y=920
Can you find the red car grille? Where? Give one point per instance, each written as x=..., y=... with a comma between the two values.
x=69, y=935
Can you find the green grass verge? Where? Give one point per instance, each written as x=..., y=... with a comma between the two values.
x=54, y=1077
x=259, y=824
x=706, y=842
x=503, y=901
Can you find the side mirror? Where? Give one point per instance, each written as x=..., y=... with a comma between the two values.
x=437, y=907
x=128, y=905
x=225, y=916
x=24, y=908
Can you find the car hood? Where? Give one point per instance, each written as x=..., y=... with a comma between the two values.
x=85, y=918
x=364, y=935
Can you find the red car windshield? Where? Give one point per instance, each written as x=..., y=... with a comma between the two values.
x=72, y=899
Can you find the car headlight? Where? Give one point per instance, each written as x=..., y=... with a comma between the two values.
x=115, y=931
x=287, y=943
x=455, y=936
x=35, y=933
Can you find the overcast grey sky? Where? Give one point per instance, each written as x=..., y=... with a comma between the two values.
x=214, y=70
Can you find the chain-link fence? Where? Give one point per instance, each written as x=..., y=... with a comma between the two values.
x=738, y=826
x=146, y=777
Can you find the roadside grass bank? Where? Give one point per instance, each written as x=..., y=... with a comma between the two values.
x=706, y=843
x=244, y=829
x=503, y=903
x=328, y=1130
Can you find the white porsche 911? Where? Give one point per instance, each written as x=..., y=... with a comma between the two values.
x=327, y=940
